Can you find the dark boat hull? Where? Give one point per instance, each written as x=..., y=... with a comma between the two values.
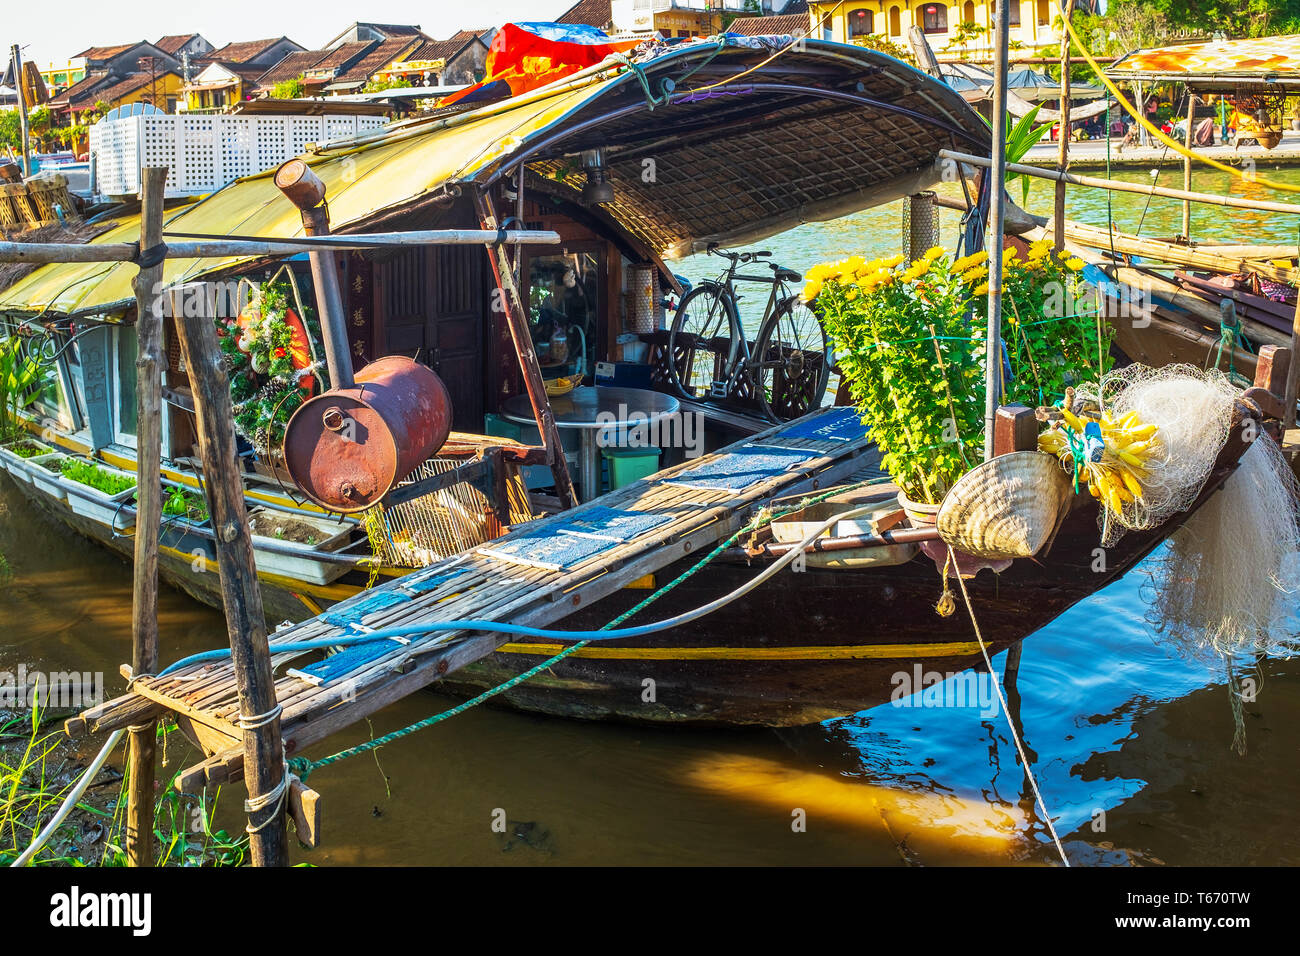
x=802, y=648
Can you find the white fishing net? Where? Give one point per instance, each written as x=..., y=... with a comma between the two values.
x=1192, y=410
x=1224, y=590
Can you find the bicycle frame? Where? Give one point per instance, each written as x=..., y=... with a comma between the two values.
x=741, y=364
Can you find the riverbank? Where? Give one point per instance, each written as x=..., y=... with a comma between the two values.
x=1091, y=154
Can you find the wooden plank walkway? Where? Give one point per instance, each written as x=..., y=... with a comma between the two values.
x=481, y=585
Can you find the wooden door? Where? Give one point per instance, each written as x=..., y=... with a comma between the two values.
x=431, y=302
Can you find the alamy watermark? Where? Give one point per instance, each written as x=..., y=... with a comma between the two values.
x=626, y=428
x=24, y=689
x=922, y=688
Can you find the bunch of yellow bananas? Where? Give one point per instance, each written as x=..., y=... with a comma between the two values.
x=1115, y=451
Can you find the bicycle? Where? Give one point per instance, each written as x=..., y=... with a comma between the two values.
x=787, y=372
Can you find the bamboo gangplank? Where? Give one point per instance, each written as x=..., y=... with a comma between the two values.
x=485, y=587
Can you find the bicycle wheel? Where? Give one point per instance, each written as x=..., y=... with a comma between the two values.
x=792, y=362
x=703, y=341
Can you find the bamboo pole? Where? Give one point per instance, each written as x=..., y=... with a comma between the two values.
x=1187, y=165
x=17, y=57
x=148, y=493
x=1076, y=179
x=997, y=227
x=513, y=304
x=240, y=595
x=41, y=253
x=1063, y=146
x=1175, y=253
x=1292, y=377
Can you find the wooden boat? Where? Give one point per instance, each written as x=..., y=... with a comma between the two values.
x=755, y=145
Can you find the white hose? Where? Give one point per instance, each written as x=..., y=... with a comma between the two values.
x=72, y=799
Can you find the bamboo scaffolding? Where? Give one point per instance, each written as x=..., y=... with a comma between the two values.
x=1075, y=179
x=43, y=253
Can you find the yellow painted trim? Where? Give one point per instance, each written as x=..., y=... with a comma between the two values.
x=823, y=653
x=311, y=605
x=330, y=592
x=644, y=583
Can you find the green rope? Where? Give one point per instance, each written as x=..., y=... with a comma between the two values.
x=302, y=766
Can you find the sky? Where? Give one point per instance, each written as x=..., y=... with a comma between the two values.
x=55, y=34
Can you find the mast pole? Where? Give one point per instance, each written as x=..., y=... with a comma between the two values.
x=22, y=109
x=997, y=223
x=1063, y=146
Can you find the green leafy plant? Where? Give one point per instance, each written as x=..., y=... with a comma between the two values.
x=185, y=504
x=1051, y=326
x=91, y=475
x=28, y=448
x=914, y=363
x=911, y=343
x=19, y=374
x=1022, y=136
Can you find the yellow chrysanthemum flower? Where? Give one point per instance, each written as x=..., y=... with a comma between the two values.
x=1075, y=265
x=893, y=261
x=818, y=273
x=933, y=253
x=812, y=288
x=975, y=274
x=982, y=289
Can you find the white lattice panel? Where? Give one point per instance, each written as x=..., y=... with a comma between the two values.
x=205, y=152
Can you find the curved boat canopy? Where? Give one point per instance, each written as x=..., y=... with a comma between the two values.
x=726, y=141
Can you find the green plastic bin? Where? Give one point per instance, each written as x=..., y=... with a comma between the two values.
x=627, y=465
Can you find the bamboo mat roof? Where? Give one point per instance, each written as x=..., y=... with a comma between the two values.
x=746, y=146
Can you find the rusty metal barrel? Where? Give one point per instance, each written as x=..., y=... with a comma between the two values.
x=347, y=448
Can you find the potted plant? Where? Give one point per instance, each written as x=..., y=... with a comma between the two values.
x=46, y=473
x=914, y=363
x=97, y=491
x=185, y=518
x=910, y=339
x=20, y=455
x=304, y=534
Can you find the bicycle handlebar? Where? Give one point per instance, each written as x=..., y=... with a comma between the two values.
x=740, y=257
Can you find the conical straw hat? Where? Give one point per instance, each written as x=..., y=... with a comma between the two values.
x=1008, y=507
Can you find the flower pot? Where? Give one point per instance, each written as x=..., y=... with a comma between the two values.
x=329, y=535
x=966, y=565
x=47, y=475
x=99, y=506
x=16, y=464
x=920, y=514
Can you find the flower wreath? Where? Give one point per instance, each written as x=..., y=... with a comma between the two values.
x=271, y=357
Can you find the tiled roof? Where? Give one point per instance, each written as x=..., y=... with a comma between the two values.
x=123, y=87
x=240, y=52
x=394, y=29
x=383, y=54
x=170, y=44
x=83, y=87
x=794, y=24
x=343, y=55
x=444, y=49
x=291, y=67
x=594, y=13
x=106, y=52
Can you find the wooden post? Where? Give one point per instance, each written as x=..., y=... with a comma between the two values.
x=1292, y=375
x=245, y=622
x=148, y=493
x=1187, y=165
x=512, y=302
x=17, y=58
x=1063, y=146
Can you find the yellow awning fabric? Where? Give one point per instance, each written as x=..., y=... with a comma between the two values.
x=359, y=184
x=1257, y=60
x=765, y=137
